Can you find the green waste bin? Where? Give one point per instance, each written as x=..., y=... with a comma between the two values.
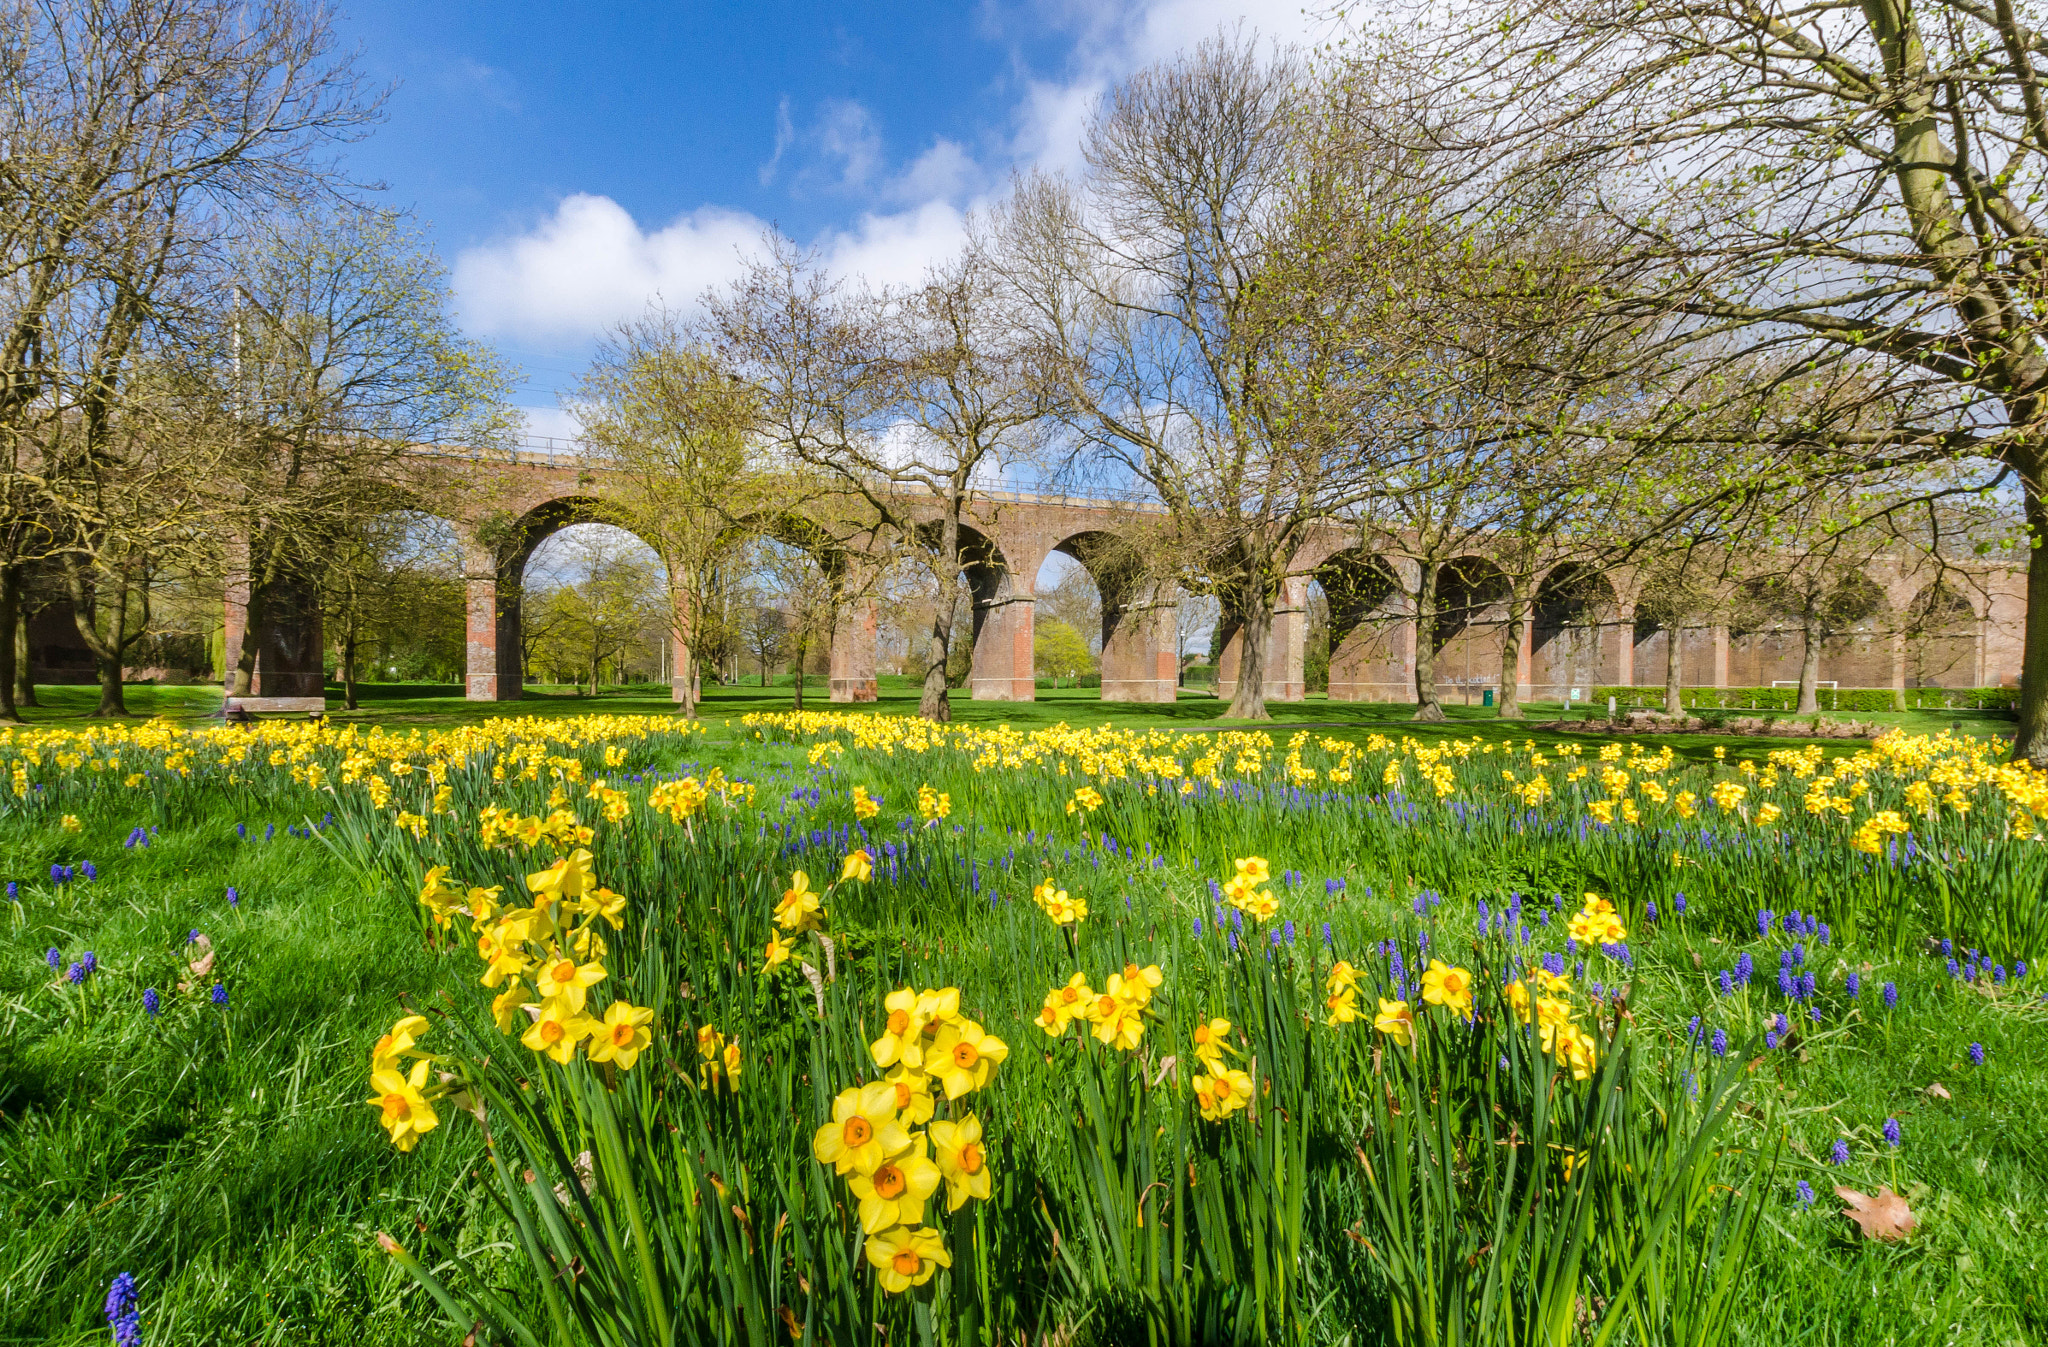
x=1486, y=697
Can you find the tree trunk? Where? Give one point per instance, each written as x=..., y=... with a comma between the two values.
x=1809, y=666
x=803, y=650
x=1674, y=670
x=348, y=667
x=2030, y=737
x=107, y=655
x=243, y=679
x=1510, y=701
x=10, y=648
x=1427, y=707
x=933, y=703
x=1248, y=697
x=24, y=662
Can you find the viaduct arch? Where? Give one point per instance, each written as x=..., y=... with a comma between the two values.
x=1904, y=625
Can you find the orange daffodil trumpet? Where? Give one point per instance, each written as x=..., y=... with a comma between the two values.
x=928, y=1048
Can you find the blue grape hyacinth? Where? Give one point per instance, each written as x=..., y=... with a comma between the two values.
x=122, y=1315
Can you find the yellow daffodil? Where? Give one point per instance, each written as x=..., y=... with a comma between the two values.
x=779, y=951
x=900, y=1032
x=1341, y=976
x=799, y=909
x=1449, y=987
x=1342, y=1005
x=939, y=1007
x=896, y=1192
x=568, y=878
x=403, y=1035
x=863, y=1133
x=963, y=1162
x=1518, y=997
x=483, y=905
x=1064, y=1005
x=568, y=980
x=1551, y=1016
x=1212, y=1040
x=622, y=1035
x=1575, y=1049
x=913, y=1094
x=501, y=960
x=963, y=1056
x=859, y=865
x=1396, y=1021
x=865, y=806
x=906, y=1257
x=1252, y=869
x=1136, y=984
x=402, y=1107
x=71, y=823
x=1118, y=1021
x=1221, y=1094
x=602, y=902
x=559, y=1029
x=508, y=1008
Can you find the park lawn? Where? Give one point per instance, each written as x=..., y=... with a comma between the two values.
x=226, y=1155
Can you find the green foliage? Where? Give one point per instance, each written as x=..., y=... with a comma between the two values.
x=1057, y=650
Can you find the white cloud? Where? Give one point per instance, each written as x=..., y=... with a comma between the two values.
x=552, y=423
x=590, y=265
x=845, y=135
x=896, y=249
x=945, y=172
x=785, y=136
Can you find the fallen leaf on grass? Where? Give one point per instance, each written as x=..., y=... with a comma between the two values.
x=1939, y=1091
x=1885, y=1216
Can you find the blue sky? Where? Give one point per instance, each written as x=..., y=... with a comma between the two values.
x=575, y=161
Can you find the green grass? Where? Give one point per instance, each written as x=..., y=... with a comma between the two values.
x=226, y=1156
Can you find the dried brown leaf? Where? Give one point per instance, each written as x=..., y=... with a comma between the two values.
x=1885, y=1216
x=1939, y=1091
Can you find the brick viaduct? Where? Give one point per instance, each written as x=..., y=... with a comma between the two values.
x=1582, y=632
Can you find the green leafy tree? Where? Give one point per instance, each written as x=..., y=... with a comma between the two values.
x=1057, y=651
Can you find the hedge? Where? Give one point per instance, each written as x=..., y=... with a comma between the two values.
x=1830, y=699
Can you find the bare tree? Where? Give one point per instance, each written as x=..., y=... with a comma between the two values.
x=678, y=424
x=913, y=399
x=340, y=361
x=1212, y=298
x=1853, y=187
x=133, y=133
